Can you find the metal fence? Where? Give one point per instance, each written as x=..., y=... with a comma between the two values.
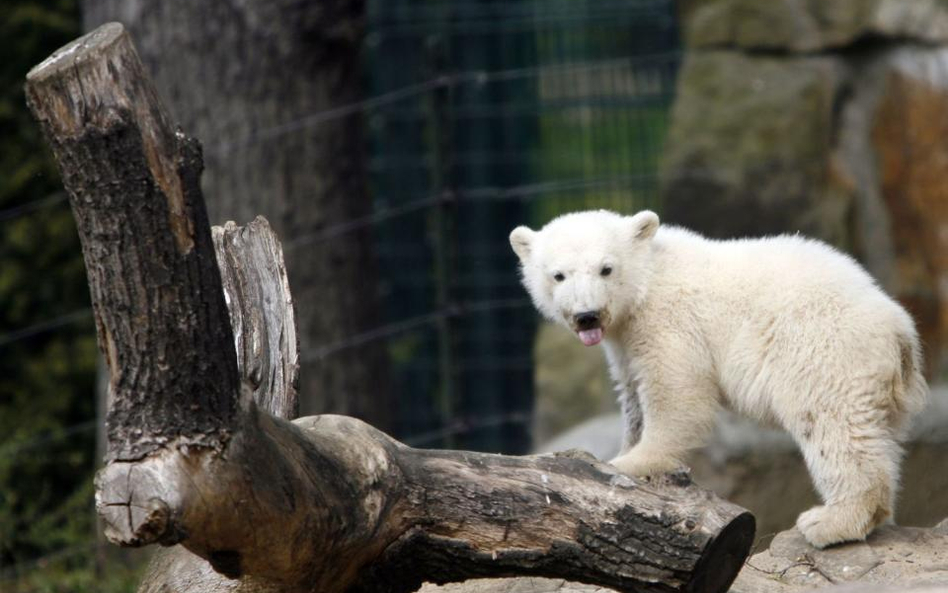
x=486, y=115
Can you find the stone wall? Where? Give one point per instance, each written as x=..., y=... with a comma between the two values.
x=827, y=118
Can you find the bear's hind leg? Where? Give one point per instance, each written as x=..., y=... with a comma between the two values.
x=855, y=470
x=841, y=521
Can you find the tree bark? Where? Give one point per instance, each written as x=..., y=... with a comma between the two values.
x=325, y=503
x=566, y=516
x=261, y=312
x=159, y=309
x=257, y=292
x=246, y=78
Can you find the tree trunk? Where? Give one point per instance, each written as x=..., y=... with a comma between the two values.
x=247, y=78
x=159, y=308
x=326, y=503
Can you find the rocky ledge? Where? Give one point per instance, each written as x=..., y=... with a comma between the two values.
x=907, y=558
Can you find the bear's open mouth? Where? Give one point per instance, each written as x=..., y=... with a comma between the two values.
x=590, y=337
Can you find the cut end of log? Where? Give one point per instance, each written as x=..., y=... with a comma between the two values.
x=724, y=556
x=130, y=518
x=69, y=54
x=93, y=81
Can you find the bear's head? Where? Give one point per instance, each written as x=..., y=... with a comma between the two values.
x=587, y=270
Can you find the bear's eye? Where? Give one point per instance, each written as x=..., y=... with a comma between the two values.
x=605, y=271
x=559, y=277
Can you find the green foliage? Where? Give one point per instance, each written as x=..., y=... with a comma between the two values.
x=47, y=344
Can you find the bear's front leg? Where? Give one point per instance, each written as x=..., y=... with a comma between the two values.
x=640, y=462
x=676, y=418
x=631, y=418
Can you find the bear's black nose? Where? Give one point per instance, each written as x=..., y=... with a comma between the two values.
x=587, y=319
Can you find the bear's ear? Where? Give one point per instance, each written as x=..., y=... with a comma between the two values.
x=644, y=224
x=521, y=239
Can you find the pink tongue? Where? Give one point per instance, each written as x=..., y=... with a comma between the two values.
x=591, y=337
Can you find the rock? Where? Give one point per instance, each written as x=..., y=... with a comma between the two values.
x=599, y=436
x=858, y=587
x=907, y=138
x=749, y=146
x=804, y=26
x=889, y=151
x=571, y=382
x=907, y=556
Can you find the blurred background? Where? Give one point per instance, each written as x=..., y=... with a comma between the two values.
x=394, y=144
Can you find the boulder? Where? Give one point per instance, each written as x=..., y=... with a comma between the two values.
x=907, y=137
x=571, y=382
x=749, y=147
x=909, y=557
x=808, y=26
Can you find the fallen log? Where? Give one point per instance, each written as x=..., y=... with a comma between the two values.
x=324, y=503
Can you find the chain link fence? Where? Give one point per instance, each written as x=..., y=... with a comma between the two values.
x=489, y=115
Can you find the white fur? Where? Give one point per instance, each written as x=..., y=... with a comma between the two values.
x=784, y=329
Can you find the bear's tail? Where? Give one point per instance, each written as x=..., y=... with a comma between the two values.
x=914, y=388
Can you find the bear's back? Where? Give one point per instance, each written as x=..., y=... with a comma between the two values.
x=814, y=293
x=762, y=265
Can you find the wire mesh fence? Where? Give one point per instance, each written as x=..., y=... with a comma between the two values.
x=482, y=116
x=500, y=113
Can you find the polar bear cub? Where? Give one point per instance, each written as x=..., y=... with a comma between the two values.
x=783, y=329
